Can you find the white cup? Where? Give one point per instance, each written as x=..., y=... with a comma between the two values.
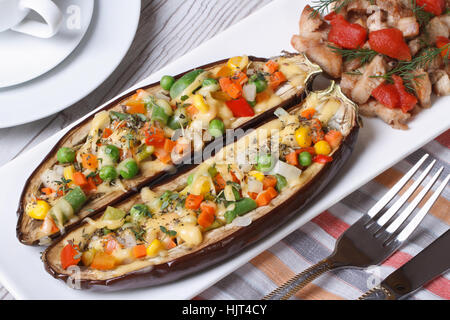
x=13, y=15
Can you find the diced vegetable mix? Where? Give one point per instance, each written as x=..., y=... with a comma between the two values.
x=214, y=195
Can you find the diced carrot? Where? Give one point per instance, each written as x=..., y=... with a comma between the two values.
x=162, y=155
x=91, y=186
x=97, y=180
x=139, y=251
x=219, y=182
x=292, y=158
x=271, y=66
x=60, y=193
x=182, y=146
x=206, y=218
x=334, y=138
x=209, y=207
x=308, y=113
x=69, y=255
x=80, y=179
x=135, y=106
x=253, y=195
x=103, y=261
x=193, y=201
x=155, y=137
x=89, y=161
x=239, y=78
x=277, y=79
x=269, y=181
x=192, y=110
x=107, y=133
x=233, y=89
x=235, y=179
x=169, y=145
x=262, y=96
x=265, y=197
x=47, y=191
x=111, y=245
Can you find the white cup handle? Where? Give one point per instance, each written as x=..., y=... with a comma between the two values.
x=49, y=12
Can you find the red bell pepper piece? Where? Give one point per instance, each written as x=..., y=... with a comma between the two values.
x=240, y=108
x=387, y=95
x=345, y=34
x=193, y=202
x=155, y=137
x=320, y=158
x=390, y=42
x=435, y=7
x=407, y=100
x=69, y=255
x=442, y=42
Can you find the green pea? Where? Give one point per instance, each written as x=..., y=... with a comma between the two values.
x=264, y=162
x=108, y=173
x=167, y=82
x=209, y=82
x=139, y=211
x=65, y=155
x=179, y=118
x=305, y=159
x=113, y=152
x=128, y=168
x=259, y=81
x=216, y=128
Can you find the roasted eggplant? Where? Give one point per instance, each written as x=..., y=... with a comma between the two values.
x=131, y=141
x=244, y=192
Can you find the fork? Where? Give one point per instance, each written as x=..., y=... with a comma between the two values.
x=371, y=239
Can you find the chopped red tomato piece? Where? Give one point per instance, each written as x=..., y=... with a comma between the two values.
x=345, y=34
x=277, y=79
x=193, y=202
x=107, y=133
x=390, y=42
x=407, y=100
x=320, y=158
x=155, y=137
x=387, y=95
x=70, y=255
x=240, y=108
x=435, y=7
x=442, y=42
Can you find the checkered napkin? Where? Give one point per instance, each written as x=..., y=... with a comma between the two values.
x=316, y=239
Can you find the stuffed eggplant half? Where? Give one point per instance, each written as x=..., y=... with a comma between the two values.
x=139, y=137
x=241, y=194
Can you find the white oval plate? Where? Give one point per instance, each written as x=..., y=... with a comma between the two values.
x=20, y=52
x=113, y=26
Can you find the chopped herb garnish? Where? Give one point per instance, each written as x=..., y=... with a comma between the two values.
x=364, y=55
x=170, y=233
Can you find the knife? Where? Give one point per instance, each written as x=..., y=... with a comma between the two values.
x=428, y=264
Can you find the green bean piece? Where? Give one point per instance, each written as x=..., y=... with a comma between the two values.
x=216, y=128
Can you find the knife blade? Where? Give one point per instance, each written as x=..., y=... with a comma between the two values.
x=427, y=265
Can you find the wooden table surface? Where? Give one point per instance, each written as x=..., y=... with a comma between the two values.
x=158, y=41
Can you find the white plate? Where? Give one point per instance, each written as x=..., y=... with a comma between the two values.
x=18, y=51
x=110, y=34
x=378, y=148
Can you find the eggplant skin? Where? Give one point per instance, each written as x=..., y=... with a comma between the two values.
x=229, y=246
x=25, y=224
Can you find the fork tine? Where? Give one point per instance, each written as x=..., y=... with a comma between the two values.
x=400, y=202
x=405, y=214
x=411, y=226
x=391, y=193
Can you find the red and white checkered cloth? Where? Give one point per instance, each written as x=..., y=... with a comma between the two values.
x=316, y=239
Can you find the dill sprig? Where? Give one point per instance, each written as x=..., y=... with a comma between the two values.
x=364, y=55
x=405, y=69
x=322, y=6
x=422, y=16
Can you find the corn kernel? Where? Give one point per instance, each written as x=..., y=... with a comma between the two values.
x=322, y=147
x=38, y=210
x=200, y=104
x=302, y=137
x=257, y=175
x=238, y=63
x=154, y=248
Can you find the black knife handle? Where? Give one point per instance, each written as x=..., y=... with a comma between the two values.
x=380, y=293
